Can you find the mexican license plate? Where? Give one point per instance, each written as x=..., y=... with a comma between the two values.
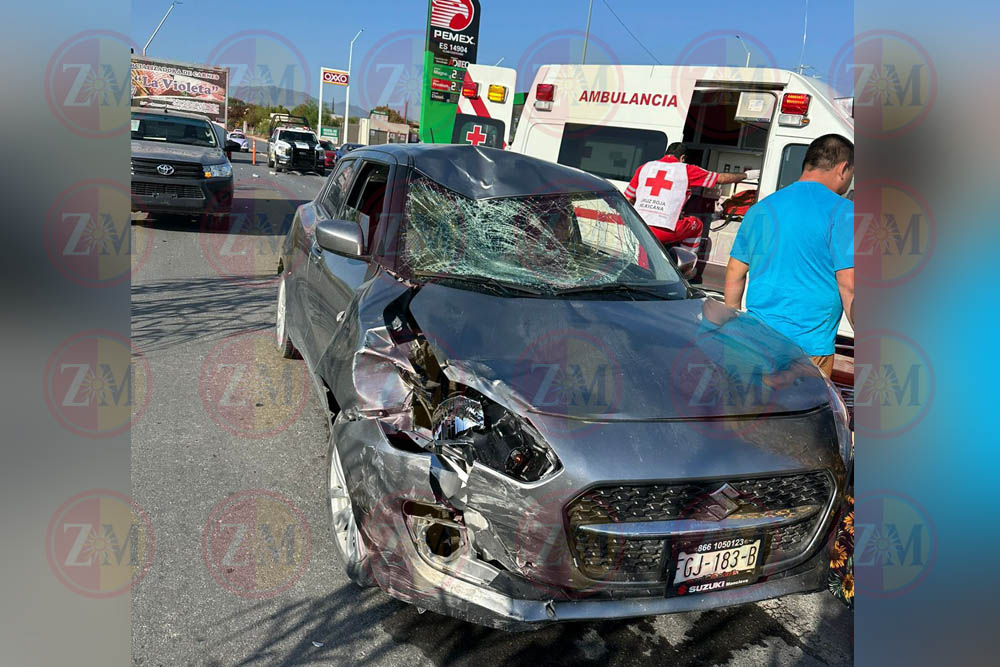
x=730, y=560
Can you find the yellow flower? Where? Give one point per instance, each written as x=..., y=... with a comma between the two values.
x=847, y=586
x=849, y=523
x=839, y=558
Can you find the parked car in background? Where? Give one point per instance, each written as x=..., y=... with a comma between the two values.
x=330, y=157
x=533, y=416
x=344, y=149
x=241, y=139
x=179, y=163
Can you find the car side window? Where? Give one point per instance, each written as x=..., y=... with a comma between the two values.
x=367, y=198
x=336, y=192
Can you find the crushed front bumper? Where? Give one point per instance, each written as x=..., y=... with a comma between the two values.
x=511, y=565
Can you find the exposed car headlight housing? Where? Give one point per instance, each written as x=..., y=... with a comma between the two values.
x=218, y=170
x=281, y=148
x=843, y=420
x=484, y=431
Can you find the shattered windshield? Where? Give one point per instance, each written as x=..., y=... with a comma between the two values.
x=549, y=243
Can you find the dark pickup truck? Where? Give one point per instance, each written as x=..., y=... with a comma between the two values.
x=179, y=164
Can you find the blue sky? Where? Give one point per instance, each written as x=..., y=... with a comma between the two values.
x=523, y=32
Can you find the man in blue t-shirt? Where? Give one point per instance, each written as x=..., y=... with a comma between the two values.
x=798, y=247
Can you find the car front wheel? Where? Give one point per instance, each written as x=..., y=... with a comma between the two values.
x=346, y=533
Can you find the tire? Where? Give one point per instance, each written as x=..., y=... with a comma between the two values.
x=347, y=538
x=270, y=162
x=280, y=324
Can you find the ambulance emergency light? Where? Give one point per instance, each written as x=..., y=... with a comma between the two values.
x=544, y=94
x=497, y=93
x=794, y=107
x=470, y=89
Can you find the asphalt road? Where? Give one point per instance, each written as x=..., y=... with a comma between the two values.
x=226, y=415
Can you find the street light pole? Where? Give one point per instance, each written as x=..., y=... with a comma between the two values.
x=805, y=24
x=169, y=9
x=586, y=36
x=744, y=45
x=347, y=101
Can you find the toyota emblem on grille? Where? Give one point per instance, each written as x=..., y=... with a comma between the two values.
x=722, y=502
x=164, y=169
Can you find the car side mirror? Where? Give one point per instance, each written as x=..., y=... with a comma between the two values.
x=232, y=145
x=340, y=236
x=687, y=261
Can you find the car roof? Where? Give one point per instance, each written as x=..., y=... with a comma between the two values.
x=478, y=172
x=169, y=112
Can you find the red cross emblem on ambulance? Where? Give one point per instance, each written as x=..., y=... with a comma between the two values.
x=475, y=136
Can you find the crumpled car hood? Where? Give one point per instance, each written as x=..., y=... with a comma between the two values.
x=618, y=359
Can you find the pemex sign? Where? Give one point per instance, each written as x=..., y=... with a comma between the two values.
x=452, y=45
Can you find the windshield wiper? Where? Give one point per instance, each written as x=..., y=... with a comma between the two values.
x=496, y=284
x=610, y=288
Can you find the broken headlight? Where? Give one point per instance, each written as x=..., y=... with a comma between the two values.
x=842, y=419
x=480, y=430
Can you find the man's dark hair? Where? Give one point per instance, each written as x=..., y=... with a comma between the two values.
x=677, y=149
x=827, y=152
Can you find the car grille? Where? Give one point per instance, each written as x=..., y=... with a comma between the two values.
x=172, y=189
x=145, y=167
x=303, y=159
x=620, y=558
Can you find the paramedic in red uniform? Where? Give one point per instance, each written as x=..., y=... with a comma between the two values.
x=660, y=188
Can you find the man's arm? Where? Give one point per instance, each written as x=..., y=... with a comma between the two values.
x=730, y=178
x=736, y=282
x=845, y=283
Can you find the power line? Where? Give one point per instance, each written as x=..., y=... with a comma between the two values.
x=631, y=33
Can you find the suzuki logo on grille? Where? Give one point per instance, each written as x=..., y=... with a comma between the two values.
x=723, y=502
x=165, y=169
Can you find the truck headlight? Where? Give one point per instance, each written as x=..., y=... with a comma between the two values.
x=281, y=149
x=221, y=170
x=843, y=421
x=486, y=432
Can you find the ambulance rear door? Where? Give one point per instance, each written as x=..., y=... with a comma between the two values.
x=485, y=107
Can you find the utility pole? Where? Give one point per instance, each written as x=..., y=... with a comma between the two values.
x=586, y=36
x=169, y=9
x=744, y=45
x=347, y=101
x=805, y=25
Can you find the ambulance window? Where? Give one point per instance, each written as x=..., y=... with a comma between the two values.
x=610, y=152
x=791, y=164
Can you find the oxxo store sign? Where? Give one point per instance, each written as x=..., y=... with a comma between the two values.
x=337, y=77
x=452, y=45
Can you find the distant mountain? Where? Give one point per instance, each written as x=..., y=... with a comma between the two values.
x=274, y=96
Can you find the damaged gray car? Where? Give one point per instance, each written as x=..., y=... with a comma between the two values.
x=533, y=416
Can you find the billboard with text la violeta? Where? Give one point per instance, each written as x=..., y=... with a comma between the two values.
x=452, y=44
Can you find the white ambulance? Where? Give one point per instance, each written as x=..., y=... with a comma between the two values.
x=485, y=106
x=609, y=119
